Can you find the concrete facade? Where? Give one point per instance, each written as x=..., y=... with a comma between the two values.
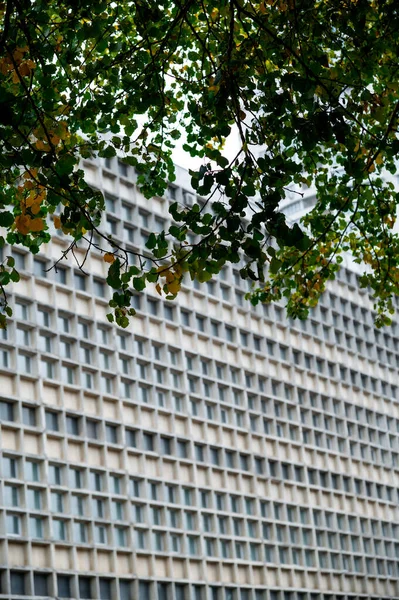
x=212, y=451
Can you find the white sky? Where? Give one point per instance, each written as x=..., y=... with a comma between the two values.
x=183, y=159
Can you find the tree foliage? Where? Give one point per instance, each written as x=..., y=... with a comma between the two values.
x=314, y=82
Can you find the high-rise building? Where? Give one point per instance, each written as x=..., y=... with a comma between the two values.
x=212, y=451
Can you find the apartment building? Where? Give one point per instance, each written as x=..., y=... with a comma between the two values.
x=211, y=451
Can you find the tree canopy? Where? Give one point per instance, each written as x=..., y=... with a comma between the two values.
x=313, y=82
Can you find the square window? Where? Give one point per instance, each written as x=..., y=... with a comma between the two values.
x=64, y=586
x=32, y=471
x=13, y=524
x=6, y=411
x=17, y=583
x=72, y=425
x=52, y=423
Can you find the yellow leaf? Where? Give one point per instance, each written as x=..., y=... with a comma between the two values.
x=36, y=224
x=55, y=139
x=109, y=257
x=169, y=276
x=22, y=224
x=57, y=222
x=35, y=207
x=159, y=289
x=371, y=168
x=41, y=145
x=379, y=159
x=174, y=286
x=24, y=69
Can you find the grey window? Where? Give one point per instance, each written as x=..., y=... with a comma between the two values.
x=111, y=433
x=60, y=275
x=6, y=411
x=11, y=495
x=148, y=442
x=41, y=584
x=92, y=428
x=57, y=503
x=80, y=281
x=85, y=587
x=72, y=425
x=17, y=583
x=34, y=499
x=166, y=445
x=54, y=474
x=64, y=586
x=13, y=524
x=76, y=478
x=52, y=421
x=96, y=481
x=144, y=591
x=80, y=534
x=32, y=471
x=105, y=589
x=29, y=416
x=36, y=528
x=124, y=590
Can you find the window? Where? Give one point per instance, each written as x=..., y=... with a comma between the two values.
x=11, y=495
x=6, y=411
x=67, y=374
x=44, y=342
x=64, y=324
x=17, y=583
x=148, y=442
x=64, y=586
x=85, y=587
x=21, y=311
x=57, y=502
x=13, y=524
x=39, y=268
x=59, y=529
x=65, y=349
x=43, y=317
x=100, y=534
x=32, y=471
x=4, y=358
x=60, y=275
x=182, y=449
x=105, y=589
x=165, y=443
x=76, y=478
x=72, y=425
x=214, y=455
x=23, y=336
x=24, y=363
x=54, y=474
x=96, y=481
x=52, y=421
x=92, y=428
x=80, y=533
x=121, y=536
x=116, y=484
x=9, y=467
x=111, y=434
x=36, y=527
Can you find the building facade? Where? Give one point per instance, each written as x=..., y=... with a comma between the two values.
x=212, y=451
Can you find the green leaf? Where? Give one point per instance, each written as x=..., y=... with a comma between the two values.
x=275, y=265
x=6, y=219
x=151, y=242
x=139, y=283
